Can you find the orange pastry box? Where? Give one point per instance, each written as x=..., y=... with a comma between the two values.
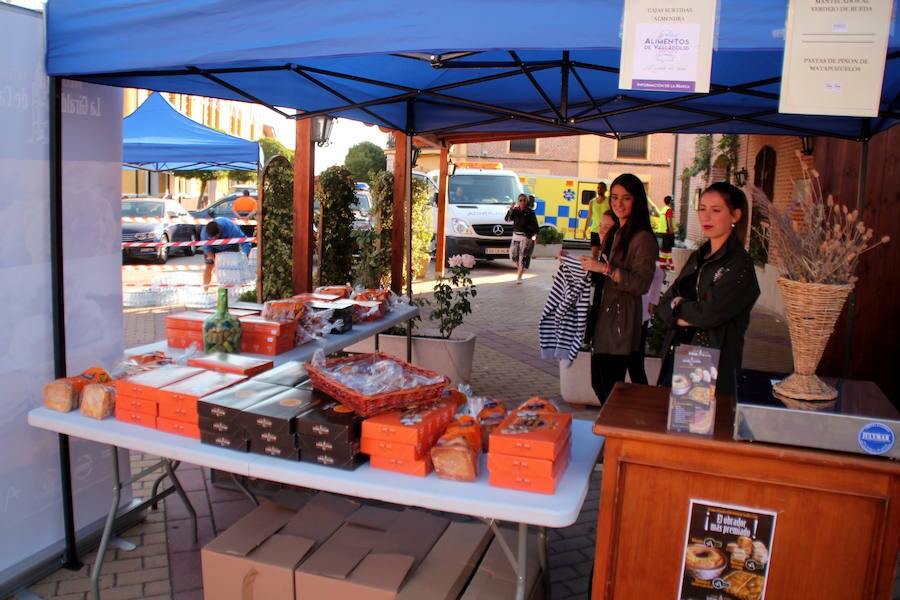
x=410, y=426
x=538, y=405
x=536, y=435
x=419, y=468
x=491, y=414
x=526, y=466
x=231, y=363
x=178, y=427
x=147, y=384
x=531, y=483
x=133, y=404
x=455, y=455
x=187, y=391
x=391, y=449
x=135, y=417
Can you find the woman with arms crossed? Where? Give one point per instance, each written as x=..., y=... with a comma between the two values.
x=709, y=302
x=628, y=256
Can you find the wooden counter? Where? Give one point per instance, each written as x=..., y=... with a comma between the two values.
x=837, y=533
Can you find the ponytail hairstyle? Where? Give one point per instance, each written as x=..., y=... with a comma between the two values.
x=638, y=221
x=735, y=199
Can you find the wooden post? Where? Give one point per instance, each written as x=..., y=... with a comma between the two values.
x=304, y=191
x=441, y=244
x=398, y=229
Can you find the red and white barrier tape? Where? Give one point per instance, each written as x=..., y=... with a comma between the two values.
x=198, y=221
x=217, y=242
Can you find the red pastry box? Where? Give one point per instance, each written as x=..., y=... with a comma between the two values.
x=401, y=439
x=137, y=396
x=231, y=363
x=372, y=295
x=261, y=336
x=530, y=451
x=185, y=328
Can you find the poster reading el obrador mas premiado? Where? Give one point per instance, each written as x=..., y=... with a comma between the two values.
x=667, y=45
x=727, y=552
x=834, y=55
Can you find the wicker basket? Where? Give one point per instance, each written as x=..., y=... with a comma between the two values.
x=367, y=406
x=811, y=310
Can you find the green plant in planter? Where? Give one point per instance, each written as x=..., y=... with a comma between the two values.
x=335, y=193
x=452, y=295
x=549, y=235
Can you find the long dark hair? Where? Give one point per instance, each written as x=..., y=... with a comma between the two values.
x=638, y=221
x=735, y=199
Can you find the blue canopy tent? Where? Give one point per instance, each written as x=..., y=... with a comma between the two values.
x=467, y=70
x=156, y=137
x=477, y=67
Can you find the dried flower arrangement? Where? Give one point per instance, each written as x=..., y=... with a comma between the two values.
x=816, y=240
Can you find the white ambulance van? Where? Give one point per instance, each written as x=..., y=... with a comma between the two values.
x=479, y=194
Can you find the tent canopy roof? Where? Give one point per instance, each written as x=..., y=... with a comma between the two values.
x=156, y=137
x=473, y=67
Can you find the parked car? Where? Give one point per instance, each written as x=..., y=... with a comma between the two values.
x=224, y=207
x=362, y=208
x=167, y=221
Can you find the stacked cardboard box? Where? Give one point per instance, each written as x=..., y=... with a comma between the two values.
x=137, y=397
x=260, y=336
x=178, y=401
x=400, y=440
x=530, y=451
x=328, y=433
x=334, y=548
x=218, y=413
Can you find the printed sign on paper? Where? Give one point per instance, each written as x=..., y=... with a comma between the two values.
x=834, y=57
x=727, y=552
x=667, y=46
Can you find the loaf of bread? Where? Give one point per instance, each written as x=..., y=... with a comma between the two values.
x=536, y=404
x=456, y=453
x=64, y=394
x=491, y=414
x=98, y=400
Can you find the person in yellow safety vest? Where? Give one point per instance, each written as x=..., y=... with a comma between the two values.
x=668, y=237
x=598, y=206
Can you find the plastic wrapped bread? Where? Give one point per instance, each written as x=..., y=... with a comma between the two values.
x=538, y=405
x=456, y=453
x=98, y=400
x=489, y=416
x=64, y=394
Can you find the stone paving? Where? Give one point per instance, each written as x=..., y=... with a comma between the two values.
x=507, y=366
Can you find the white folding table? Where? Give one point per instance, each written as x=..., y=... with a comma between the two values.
x=476, y=499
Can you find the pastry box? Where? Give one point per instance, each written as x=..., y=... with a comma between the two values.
x=231, y=363
x=339, y=452
x=256, y=325
x=273, y=421
x=341, y=311
x=148, y=384
x=419, y=468
x=329, y=460
x=187, y=391
x=421, y=425
x=531, y=483
x=135, y=418
x=228, y=403
x=391, y=449
x=329, y=420
x=536, y=435
x=132, y=404
x=524, y=465
x=266, y=344
x=288, y=374
x=178, y=427
x=209, y=435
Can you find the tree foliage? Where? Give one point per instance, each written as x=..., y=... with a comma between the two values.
x=278, y=232
x=334, y=191
x=363, y=160
x=372, y=268
x=272, y=147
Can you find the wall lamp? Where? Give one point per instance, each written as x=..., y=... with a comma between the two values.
x=414, y=155
x=320, y=129
x=808, y=142
x=451, y=167
x=740, y=177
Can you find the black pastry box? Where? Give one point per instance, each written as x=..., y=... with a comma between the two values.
x=288, y=374
x=342, y=310
x=271, y=423
x=219, y=412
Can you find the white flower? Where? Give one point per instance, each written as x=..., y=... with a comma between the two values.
x=468, y=261
x=455, y=261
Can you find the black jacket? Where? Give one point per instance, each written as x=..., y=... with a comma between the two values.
x=523, y=220
x=726, y=292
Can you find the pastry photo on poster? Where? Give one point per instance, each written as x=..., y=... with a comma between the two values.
x=727, y=552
